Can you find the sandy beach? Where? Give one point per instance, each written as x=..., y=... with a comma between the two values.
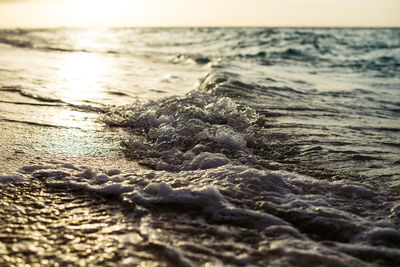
x=42, y=226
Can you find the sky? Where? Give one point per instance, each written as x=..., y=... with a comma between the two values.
x=131, y=13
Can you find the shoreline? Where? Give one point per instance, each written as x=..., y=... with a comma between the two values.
x=18, y=151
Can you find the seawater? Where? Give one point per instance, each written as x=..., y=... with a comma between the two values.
x=257, y=146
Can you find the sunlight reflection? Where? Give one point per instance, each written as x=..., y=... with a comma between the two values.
x=80, y=76
x=80, y=79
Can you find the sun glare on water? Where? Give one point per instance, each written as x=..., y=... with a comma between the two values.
x=80, y=78
x=81, y=75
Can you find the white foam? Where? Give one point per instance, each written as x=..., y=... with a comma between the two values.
x=207, y=160
x=30, y=169
x=308, y=253
x=171, y=132
x=229, y=137
x=289, y=207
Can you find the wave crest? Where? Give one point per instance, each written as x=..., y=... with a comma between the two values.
x=194, y=131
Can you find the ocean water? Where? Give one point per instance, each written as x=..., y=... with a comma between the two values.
x=249, y=146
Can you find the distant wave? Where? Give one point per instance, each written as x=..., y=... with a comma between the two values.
x=30, y=45
x=17, y=43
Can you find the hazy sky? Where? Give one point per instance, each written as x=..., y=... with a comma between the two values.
x=55, y=13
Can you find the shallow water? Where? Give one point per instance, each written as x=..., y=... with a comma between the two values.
x=255, y=146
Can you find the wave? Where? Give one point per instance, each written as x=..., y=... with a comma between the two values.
x=258, y=122
x=37, y=124
x=46, y=101
x=32, y=45
x=16, y=43
x=181, y=133
x=27, y=103
x=34, y=39
x=355, y=49
x=25, y=93
x=297, y=218
x=233, y=85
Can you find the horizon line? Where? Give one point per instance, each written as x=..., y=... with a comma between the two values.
x=204, y=26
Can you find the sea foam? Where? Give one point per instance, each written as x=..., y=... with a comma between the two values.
x=305, y=218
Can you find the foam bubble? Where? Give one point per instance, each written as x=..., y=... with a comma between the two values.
x=304, y=220
x=168, y=134
x=207, y=160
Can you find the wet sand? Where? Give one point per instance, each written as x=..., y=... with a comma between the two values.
x=43, y=226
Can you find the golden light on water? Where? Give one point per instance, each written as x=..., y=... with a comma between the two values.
x=80, y=76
